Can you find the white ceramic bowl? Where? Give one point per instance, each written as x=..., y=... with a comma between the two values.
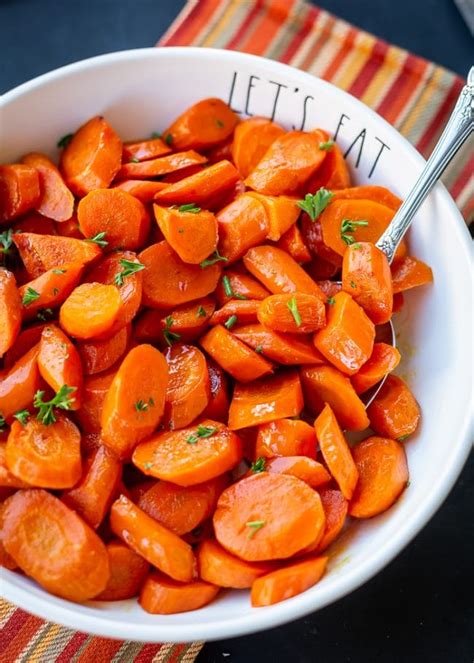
x=139, y=92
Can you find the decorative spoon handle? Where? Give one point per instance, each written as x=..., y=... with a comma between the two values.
x=460, y=125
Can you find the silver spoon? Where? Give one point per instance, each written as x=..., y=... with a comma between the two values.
x=457, y=130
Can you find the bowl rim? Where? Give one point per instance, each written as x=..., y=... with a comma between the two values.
x=63, y=612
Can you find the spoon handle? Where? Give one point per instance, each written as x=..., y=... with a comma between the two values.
x=460, y=125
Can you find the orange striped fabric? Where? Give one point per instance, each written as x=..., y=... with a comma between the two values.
x=414, y=95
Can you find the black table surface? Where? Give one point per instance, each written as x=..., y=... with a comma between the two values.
x=420, y=607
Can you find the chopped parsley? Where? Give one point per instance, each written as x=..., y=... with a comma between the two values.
x=189, y=207
x=22, y=416
x=98, y=239
x=61, y=400
x=170, y=337
x=292, y=305
x=228, y=289
x=3, y=423
x=134, y=160
x=313, y=205
x=201, y=432
x=326, y=145
x=129, y=268
x=230, y=322
x=348, y=227
x=219, y=123
x=6, y=240
x=65, y=140
x=156, y=134
x=213, y=258
x=259, y=349
x=44, y=313
x=59, y=271
x=168, y=139
x=141, y=406
x=331, y=301
x=30, y=296
x=259, y=465
x=201, y=312
x=254, y=525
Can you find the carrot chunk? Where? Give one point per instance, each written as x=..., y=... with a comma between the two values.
x=394, y=412
x=192, y=234
x=56, y=201
x=90, y=310
x=236, y=310
x=59, y=363
x=242, y=224
x=188, y=389
x=145, y=149
x=161, y=166
x=335, y=508
x=287, y=582
x=292, y=242
x=201, y=187
x=50, y=289
x=410, y=273
x=99, y=355
x=333, y=172
x=163, y=596
x=306, y=469
x=10, y=311
x=19, y=385
x=252, y=138
x=128, y=571
x=19, y=190
x=384, y=359
x=286, y=437
x=297, y=313
x=42, y=252
x=286, y=349
x=202, y=126
x=219, y=567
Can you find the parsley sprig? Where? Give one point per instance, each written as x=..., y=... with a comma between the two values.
x=22, y=416
x=226, y=284
x=61, y=400
x=201, y=432
x=30, y=296
x=65, y=140
x=170, y=337
x=313, y=205
x=230, y=322
x=3, y=423
x=348, y=227
x=142, y=406
x=129, y=267
x=98, y=239
x=191, y=208
x=326, y=145
x=213, y=258
x=254, y=525
x=293, y=306
x=201, y=312
x=259, y=465
x=6, y=241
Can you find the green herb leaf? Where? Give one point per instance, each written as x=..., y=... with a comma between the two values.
x=213, y=258
x=44, y=314
x=230, y=322
x=168, y=139
x=201, y=312
x=141, y=406
x=352, y=284
x=259, y=465
x=59, y=271
x=254, y=525
x=402, y=437
x=156, y=134
x=170, y=337
x=129, y=268
x=30, y=296
x=327, y=145
x=259, y=349
x=219, y=123
x=3, y=423
x=65, y=140
x=331, y=301
x=348, y=227
x=134, y=160
x=201, y=432
x=6, y=240
x=189, y=207
x=227, y=286
x=22, y=416
x=292, y=305
x=98, y=239
x=61, y=400
x=408, y=484
x=148, y=466
x=356, y=246
x=313, y=205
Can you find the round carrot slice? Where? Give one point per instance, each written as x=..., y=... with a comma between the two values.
x=297, y=313
x=306, y=469
x=56, y=201
x=287, y=582
x=188, y=389
x=190, y=231
x=128, y=571
x=163, y=596
x=268, y=516
x=90, y=310
x=335, y=507
x=219, y=567
x=98, y=355
x=94, y=391
x=394, y=412
x=202, y=126
x=286, y=437
x=252, y=138
x=54, y=546
x=59, y=363
x=191, y=455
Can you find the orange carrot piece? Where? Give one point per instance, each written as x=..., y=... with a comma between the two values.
x=56, y=201
x=410, y=273
x=286, y=349
x=242, y=224
x=92, y=158
x=200, y=187
x=384, y=359
x=292, y=242
x=398, y=302
x=243, y=286
x=188, y=320
x=188, y=389
x=163, y=596
x=234, y=356
x=287, y=582
x=247, y=524
x=193, y=235
x=220, y=151
x=143, y=190
x=10, y=311
x=161, y=166
x=128, y=571
x=335, y=508
x=92, y=497
x=281, y=394
x=278, y=272
x=94, y=391
x=69, y=228
x=252, y=138
x=336, y=452
x=168, y=281
x=219, y=567
x=45, y=456
x=91, y=310
x=378, y=194
x=325, y=384
x=285, y=437
x=19, y=385
x=218, y=405
x=157, y=544
x=19, y=190
x=54, y=546
x=7, y=478
x=288, y=164
x=306, y=469
x=332, y=174
x=326, y=263
x=50, y=289
x=394, y=412
x=191, y=455
x=145, y=149
x=122, y=217
x=178, y=175
x=33, y=222
x=59, y=363
x=383, y=475
x=99, y=355
x=297, y=313
x=42, y=252
x=135, y=401
x=244, y=310
x=202, y=126
x=282, y=213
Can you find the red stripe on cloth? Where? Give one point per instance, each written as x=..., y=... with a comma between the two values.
x=21, y=637
x=71, y=648
x=371, y=67
x=464, y=176
x=402, y=88
x=245, y=26
x=194, y=23
x=147, y=653
x=441, y=116
x=11, y=628
x=99, y=650
x=300, y=36
x=176, y=653
x=338, y=59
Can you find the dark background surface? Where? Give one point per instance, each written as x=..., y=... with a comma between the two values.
x=420, y=607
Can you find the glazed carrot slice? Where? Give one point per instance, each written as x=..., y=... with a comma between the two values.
x=91, y=310
x=219, y=567
x=178, y=175
x=192, y=234
x=143, y=190
x=336, y=452
x=47, y=456
x=163, y=596
x=92, y=497
x=398, y=302
x=42, y=252
x=238, y=285
x=145, y=149
x=328, y=261
x=252, y=138
x=378, y=194
x=410, y=273
x=383, y=475
x=92, y=158
x=286, y=437
x=297, y=313
x=306, y=469
x=288, y=164
x=169, y=282
x=59, y=363
x=384, y=359
x=221, y=151
x=200, y=187
x=19, y=385
x=278, y=272
x=33, y=222
x=218, y=405
x=394, y=412
x=6, y=560
x=99, y=355
x=56, y=201
x=157, y=544
x=50, y=289
x=94, y=391
x=282, y=212
x=333, y=172
x=69, y=228
x=70, y=562
x=292, y=242
x=135, y=401
x=233, y=356
x=335, y=508
x=182, y=508
x=187, y=321
x=347, y=340
x=367, y=278
x=161, y=166
x=286, y=349
x=247, y=524
x=128, y=571
x=7, y=478
x=202, y=126
x=286, y=582
x=122, y=217
x=10, y=311
x=281, y=393
x=243, y=223
x=190, y=455
x=188, y=389
x=325, y=384
x=19, y=190
x=245, y=311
